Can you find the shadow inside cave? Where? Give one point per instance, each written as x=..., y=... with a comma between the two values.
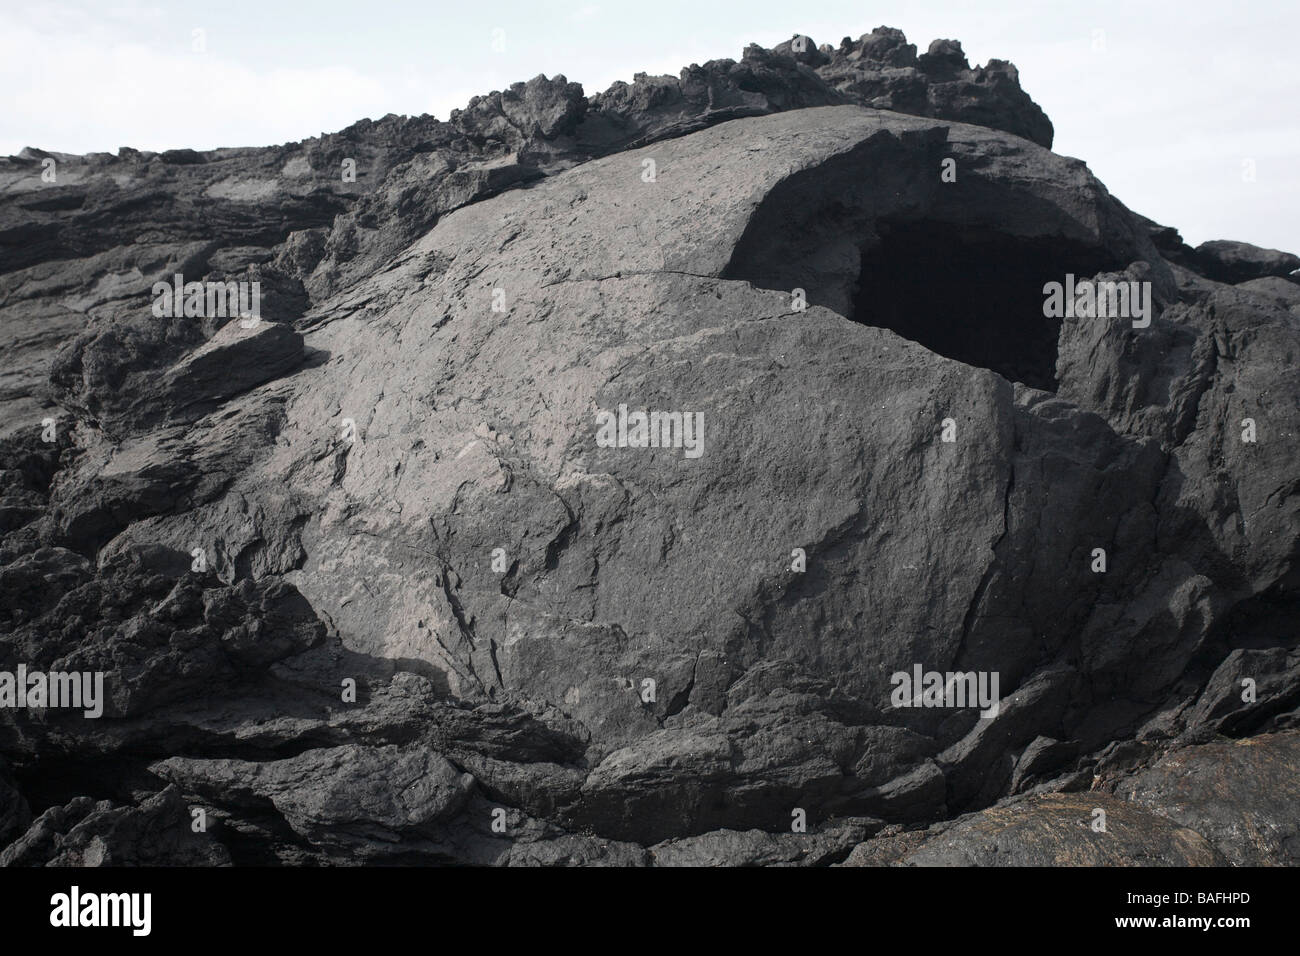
x=970, y=294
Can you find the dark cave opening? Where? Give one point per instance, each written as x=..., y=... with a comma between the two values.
x=971, y=294
x=57, y=779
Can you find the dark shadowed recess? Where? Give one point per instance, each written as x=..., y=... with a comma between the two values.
x=55, y=780
x=970, y=294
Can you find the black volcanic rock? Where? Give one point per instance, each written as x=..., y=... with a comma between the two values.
x=1233, y=262
x=1241, y=795
x=14, y=812
x=881, y=69
x=1051, y=830
x=157, y=832
x=364, y=585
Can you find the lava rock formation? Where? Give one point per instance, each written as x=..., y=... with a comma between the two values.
x=363, y=585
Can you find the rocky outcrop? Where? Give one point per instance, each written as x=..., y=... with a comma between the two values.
x=1235, y=262
x=158, y=832
x=1052, y=830
x=1213, y=804
x=366, y=582
x=1241, y=795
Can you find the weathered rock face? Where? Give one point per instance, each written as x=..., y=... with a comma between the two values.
x=1240, y=261
x=1053, y=830
x=1216, y=804
x=1241, y=795
x=366, y=581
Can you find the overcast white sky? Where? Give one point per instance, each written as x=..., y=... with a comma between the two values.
x=1164, y=100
